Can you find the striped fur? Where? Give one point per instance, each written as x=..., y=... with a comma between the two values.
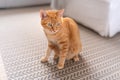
x=63, y=36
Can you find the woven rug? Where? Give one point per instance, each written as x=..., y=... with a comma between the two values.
x=23, y=43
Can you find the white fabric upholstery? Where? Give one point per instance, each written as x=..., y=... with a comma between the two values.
x=102, y=16
x=21, y=3
x=2, y=3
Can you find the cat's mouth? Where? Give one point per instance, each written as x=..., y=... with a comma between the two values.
x=51, y=31
x=54, y=31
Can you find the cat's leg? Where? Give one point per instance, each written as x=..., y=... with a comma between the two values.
x=56, y=56
x=63, y=53
x=56, y=52
x=61, y=62
x=47, y=54
x=75, y=51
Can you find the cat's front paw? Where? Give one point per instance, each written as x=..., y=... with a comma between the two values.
x=76, y=59
x=60, y=66
x=44, y=59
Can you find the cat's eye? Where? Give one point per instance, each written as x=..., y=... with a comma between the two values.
x=57, y=24
x=49, y=24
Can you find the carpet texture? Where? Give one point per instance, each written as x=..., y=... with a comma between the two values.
x=23, y=43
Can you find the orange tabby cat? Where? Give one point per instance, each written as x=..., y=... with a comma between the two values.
x=63, y=36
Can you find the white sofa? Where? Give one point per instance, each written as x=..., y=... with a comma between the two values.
x=21, y=3
x=102, y=16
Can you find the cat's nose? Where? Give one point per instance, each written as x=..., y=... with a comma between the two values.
x=53, y=29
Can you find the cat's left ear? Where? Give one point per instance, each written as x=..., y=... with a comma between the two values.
x=42, y=14
x=60, y=12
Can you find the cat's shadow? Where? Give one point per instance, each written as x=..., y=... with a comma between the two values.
x=72, y=69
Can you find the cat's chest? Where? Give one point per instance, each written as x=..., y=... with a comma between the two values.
x=52, y=38
x=54, y=41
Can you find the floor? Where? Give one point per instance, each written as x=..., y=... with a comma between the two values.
x=23, y=43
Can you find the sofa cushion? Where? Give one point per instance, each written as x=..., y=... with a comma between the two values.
x=102, y=16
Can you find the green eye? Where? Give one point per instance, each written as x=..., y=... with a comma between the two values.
x=49, y=24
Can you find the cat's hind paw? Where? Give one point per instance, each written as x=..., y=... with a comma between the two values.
x=44, y=59
x=76, y=59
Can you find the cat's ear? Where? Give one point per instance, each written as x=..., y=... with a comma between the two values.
x=60, y=12
x=43, y=14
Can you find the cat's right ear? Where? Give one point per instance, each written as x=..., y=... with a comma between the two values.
x=43, y=14
x=60, y=12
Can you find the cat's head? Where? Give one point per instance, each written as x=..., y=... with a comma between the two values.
x=51, y=20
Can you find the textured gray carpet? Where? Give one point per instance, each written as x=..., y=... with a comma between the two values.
x=21, y=47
